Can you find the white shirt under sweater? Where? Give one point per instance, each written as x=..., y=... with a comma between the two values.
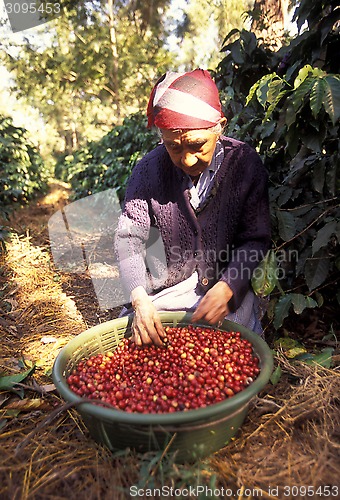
x=199, y=193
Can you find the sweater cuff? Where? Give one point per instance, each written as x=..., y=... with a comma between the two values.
x=239, y=289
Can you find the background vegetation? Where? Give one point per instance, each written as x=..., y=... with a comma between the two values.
x=23, y=172
x=108, y=162
x=286, y=103
x=89, y=74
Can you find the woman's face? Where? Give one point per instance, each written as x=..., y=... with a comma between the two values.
x=190, y=150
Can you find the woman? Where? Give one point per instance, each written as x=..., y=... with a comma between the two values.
x=195, y=221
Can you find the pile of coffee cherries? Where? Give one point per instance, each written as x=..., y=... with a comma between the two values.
x=196, y=367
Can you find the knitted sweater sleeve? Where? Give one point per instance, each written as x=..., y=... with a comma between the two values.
x=132, y=233
x=139, y=246
x=252, y=238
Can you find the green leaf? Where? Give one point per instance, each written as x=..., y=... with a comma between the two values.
x=274, y=88
x=285, y=343
x=328, y=24
x=268, y=128
x=332, y=97
x=301, y=262
x=302, y=75
x=313, y=141
x=276, y=375
x=291, y=347
x=319, y=169
x=317, y=96
x=263, y=87
x=8, y=382
x=297, y=165
x=295, y=351
x=236, y=52
x=274, y=103
x=230, y=34
x=323, y=236
x=316, y=269
x=250, y=41
x=323, y=358
x=290, y=114
x=282, y=309
x=291, y=70
x=311, y=302
x=319, y=299
x=285, y=194
x=287, y=224
x=301, y=302
x=271, y=308
x=264, y=278
x=252, y=92
x=333, y=175
x=299, y=95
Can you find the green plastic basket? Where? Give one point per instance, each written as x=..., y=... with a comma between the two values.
x=191, y=434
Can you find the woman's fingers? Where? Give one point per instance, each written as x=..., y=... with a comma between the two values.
x=147, y=328
x=210, y=311
x=214, y=305
x=159, y=327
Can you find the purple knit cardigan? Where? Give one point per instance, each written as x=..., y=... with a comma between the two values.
x=225, y=239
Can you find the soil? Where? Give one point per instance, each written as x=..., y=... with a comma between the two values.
x=290, y=437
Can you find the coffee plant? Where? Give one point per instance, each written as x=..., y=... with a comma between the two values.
x=22, y=171
x=107, y=163
x=286, y=104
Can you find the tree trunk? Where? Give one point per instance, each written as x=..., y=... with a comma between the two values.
x=269, y=21
x=114, y=51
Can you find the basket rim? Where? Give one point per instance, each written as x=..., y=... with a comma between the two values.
x=209, y=412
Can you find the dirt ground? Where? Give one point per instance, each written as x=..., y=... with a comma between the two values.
x=288, y=446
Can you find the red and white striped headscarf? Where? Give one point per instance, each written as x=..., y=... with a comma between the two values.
x=184, y=101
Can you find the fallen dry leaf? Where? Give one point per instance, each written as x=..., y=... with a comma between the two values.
x=27, y=404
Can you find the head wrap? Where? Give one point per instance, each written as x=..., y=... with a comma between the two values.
x=184, y=101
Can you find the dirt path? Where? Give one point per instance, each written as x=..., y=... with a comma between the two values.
x=291, y=436
x=32, y=221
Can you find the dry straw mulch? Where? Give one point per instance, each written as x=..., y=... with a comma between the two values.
x=290, y=437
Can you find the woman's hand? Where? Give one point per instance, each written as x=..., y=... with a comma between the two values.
x=147, y=327
x=213, y=307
